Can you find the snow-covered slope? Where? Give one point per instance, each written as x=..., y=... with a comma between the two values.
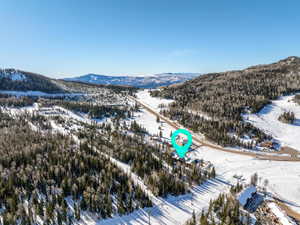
x=12, y=74
x=174, y=210
x=152, y=102
x=283, y=177
x=267, y=120
x=280, y=215
x=18, y=80
x=137, y=81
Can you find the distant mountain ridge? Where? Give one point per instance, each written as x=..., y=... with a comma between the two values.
x=18, y=80
x=22, y=81
x=151, y=81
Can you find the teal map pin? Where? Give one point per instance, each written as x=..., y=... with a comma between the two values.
x=182, y=150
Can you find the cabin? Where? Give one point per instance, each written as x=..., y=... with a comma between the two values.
x=246, y=195
x=267, y=144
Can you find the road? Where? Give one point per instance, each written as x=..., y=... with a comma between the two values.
x=198, y=141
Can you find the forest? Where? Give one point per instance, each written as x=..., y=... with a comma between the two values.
x=56, y=178
x=154, y=163
x=32, y=82
x=46, y=173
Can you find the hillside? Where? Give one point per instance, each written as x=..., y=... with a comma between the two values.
x=81, y=156
x=92, y=155
x=152, y=81
x=214, y=103
x=17, y=80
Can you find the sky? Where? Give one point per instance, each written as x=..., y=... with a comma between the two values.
x=64, y=38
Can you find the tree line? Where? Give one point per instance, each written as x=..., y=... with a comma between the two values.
x=224, y=97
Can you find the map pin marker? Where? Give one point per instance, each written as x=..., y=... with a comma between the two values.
x=182, y=150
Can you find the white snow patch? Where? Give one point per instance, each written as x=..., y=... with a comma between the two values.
x=279, y=214
x=154, y=103
x=17, y=77
x=267, y=120
x=14, y=75
x=148, y=121
x=283, y=177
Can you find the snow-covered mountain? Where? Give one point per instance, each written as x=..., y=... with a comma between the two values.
x=18, y=80
x=151, y=81
x=12, y=74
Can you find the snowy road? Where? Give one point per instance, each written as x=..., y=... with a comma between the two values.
x=199, y=140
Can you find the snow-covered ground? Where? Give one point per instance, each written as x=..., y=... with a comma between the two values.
x=13, y=74
x=280, y=215
x=174, y=210
x=154, y=103
x=283, y=177
x=267, y=120
x=148, y=121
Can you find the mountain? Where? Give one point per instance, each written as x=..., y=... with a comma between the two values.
x=152, y=81
x=224, y=97
x=18, y=80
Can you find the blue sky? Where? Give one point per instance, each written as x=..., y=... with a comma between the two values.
x=119, y=37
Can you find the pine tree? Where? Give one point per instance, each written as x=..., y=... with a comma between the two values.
x=157, y=119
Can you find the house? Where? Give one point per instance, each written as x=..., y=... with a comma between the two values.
x=246, y=195
x=267, y=144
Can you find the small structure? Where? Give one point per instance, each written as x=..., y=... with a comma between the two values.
x=268, y=144
x=246, y=195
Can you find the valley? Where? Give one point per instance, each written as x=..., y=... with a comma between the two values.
x=149, y=112
x=82, y=153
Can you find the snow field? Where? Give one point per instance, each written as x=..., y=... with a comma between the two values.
x=280, y=215
x=283, y=177
x=154, y=103
x=267, y=120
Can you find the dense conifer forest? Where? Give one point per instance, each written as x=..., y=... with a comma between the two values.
x=56, y=178
x=154, y=164
x=30, y=81
x=41, y=172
